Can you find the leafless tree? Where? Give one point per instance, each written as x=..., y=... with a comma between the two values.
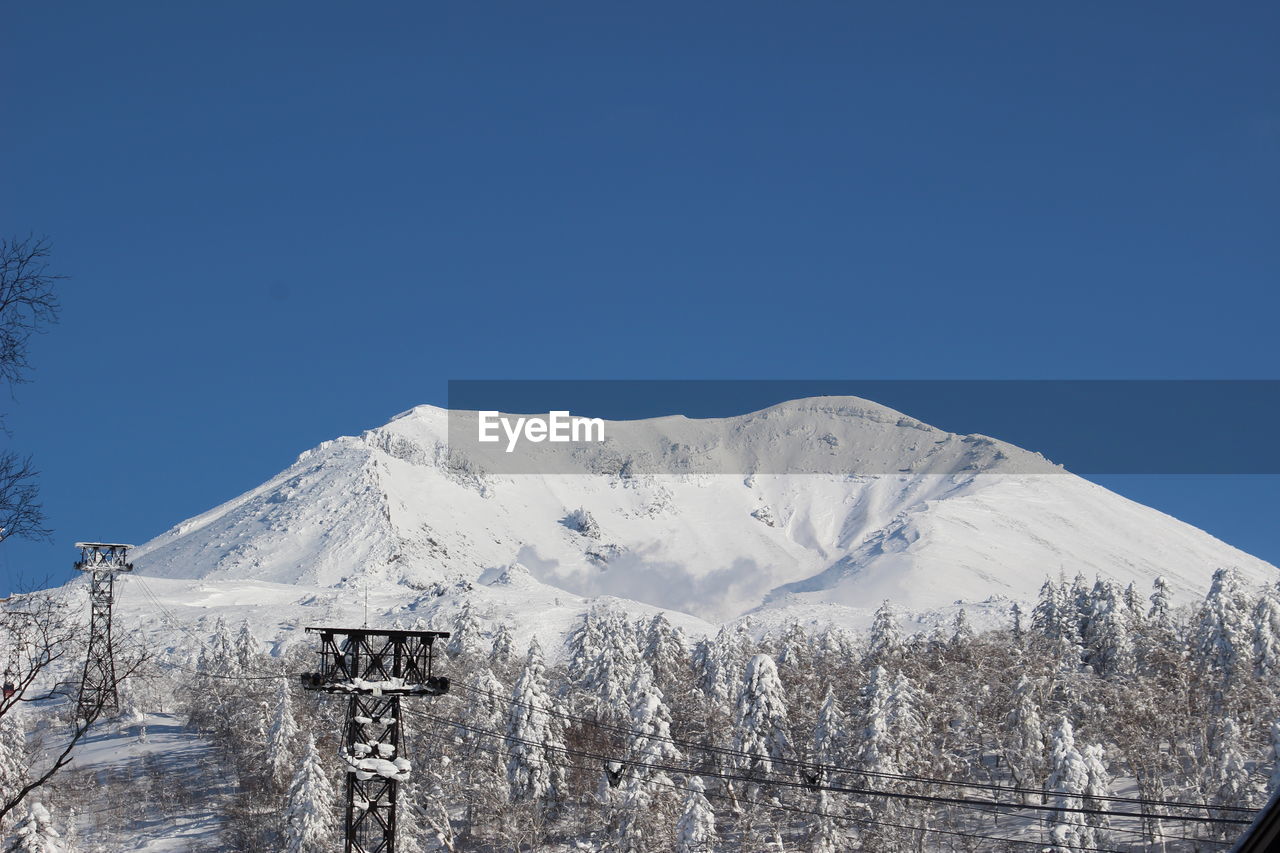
x=39, y=643
x=28, y=306
x=28, y=302
x=20, y=511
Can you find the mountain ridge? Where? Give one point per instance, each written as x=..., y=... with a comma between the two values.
x=956, y=518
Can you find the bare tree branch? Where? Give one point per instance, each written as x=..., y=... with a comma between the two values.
x=20, y=511
x=28, y=303
x=38, y=635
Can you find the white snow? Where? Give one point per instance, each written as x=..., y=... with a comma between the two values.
x=393, y=510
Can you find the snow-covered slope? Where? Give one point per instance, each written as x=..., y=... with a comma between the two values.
x=926, y=518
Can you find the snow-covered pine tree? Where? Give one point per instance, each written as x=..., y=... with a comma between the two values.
x=1097, y=788
x=485, y=708
x=1229, y=782
x=247, y=649
x=1080, y=598
x=761, y=717
x=1266, y=637
x=649, y=737
x=906, y=726
x=666, y=650
x=13, y=754
x=1219, y=639
x=829, y=736
x=795, y=648
x=217, y=657
x=603, y=658
x=535, y=745
x=1133, y=603
x=1047, y=616
x=1025, y=755
x=1017, y=628
x=872, y=725
x=1109, y=646
x=1274, y=784
x=825, y=836
x=503, y=654
x=308, y=813
x=696, y=828
x=1158, y=615
x=1068, y=778
x=282, y=733
x=34, y=833
x=719, y=663
x=889, y=731
x=464, y=639
x=834, y=649
x=961, y=630
x=646, y=810
x=884, y=646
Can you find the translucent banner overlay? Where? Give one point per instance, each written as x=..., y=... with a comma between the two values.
x=866, y=427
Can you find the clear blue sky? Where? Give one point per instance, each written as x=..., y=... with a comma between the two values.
x=288, y=221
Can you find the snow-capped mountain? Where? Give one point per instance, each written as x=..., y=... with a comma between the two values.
x=834, y=501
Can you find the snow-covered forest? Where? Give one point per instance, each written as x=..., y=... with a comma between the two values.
x=1100, y=720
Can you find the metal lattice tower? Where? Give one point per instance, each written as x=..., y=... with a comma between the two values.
x=375, y=669
x=102, y=561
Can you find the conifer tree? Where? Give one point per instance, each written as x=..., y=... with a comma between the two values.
x=885, y=643
x=1266, y=637
x=1068, y=777
x=247, y=648
x=761, y=717
x=1097, y=788
x=464, y=639
x=603, y=658
x=281, y=735
x=1080, y=601
x=720, y=664
x=1109, y=646
x=218, y=657
x=485, y=709
x=961, y=631
x=1229, y=781
x=645, y=785
x=1274, y=785
x=824, y=835
x=666, y=649
x=1046, y=616
x=504, y=649
x=794, y=648
x=535, y=745
x=13, y=757
x=308, y=812
x=1220, y=637
x=35, y=833
x=829, y=735
x=1159, y=613
x=696, y=828
x=1026, y=753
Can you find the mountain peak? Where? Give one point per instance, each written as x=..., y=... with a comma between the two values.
x=813, y=502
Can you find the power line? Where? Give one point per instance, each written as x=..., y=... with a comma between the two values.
x=690, y=772
x=968, y=802
x=853, y=771
x=839, y=789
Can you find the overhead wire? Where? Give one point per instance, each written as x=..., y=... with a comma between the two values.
x=820, y=766
x=841, y=789
x=729, y=777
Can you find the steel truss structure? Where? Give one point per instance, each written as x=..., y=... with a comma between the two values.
x=102, y=561
x=375, y=669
